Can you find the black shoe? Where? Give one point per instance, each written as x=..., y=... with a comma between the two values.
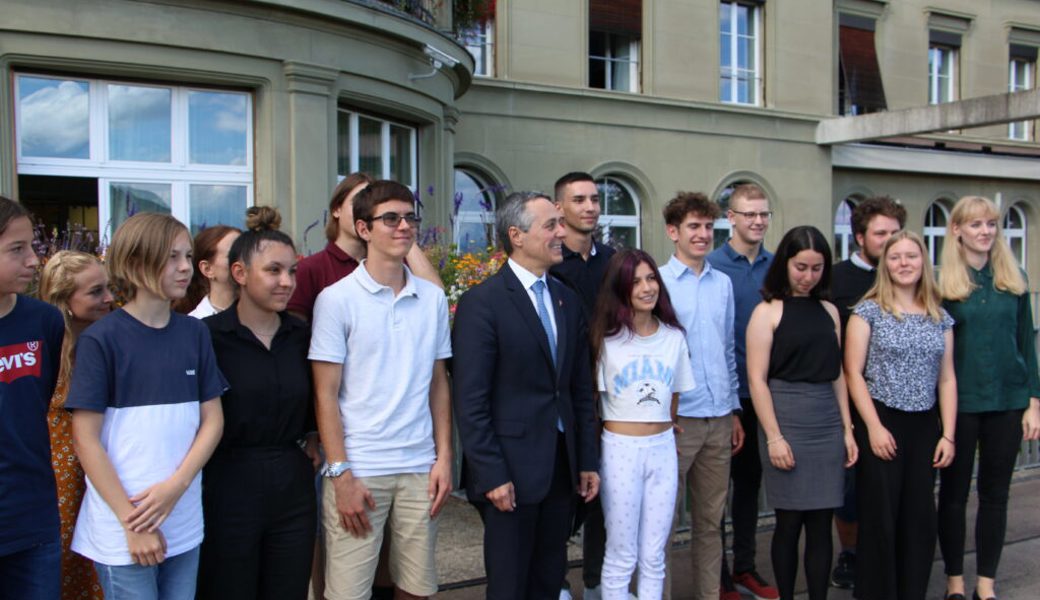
x=954, y=597
x=844, y=575
x=975, y=596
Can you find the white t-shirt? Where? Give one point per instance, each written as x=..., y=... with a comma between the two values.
x=204, y=309
x=637, y=375
x=387, y=346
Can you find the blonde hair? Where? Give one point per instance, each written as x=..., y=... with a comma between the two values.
x=139, y=251
x=883, y=290
x=955, y=281
x=57, y=285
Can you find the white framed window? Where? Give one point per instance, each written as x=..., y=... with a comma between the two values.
x=1021, y=74
x=379, y=147
x=186, y=151
x=935, y=219
x=740, y=64
x=613, y=62
x=473, y=211
x=619, y=216
x=942, y=74
x=844, y=240
x=1015, y=232
x=479, y=40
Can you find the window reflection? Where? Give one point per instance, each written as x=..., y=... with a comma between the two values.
x=54, y=117
x=217, y=128
x=216, y=205
x=139, y=123
x=128, y=199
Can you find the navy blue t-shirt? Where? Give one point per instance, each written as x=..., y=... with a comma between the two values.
x=30, y=355
x=149, y=383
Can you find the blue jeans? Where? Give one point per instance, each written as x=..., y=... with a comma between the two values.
x=32, y=573
x=172, y=579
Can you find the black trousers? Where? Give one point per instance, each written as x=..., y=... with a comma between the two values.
x=896, y=501
x=746, y=472
x=261, y=517
x=525, y=551
x=997, y=436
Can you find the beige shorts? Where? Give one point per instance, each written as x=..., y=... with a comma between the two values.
x=350, y=563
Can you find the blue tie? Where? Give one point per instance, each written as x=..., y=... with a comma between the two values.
x=543, y=315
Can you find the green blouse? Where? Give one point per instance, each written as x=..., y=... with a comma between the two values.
x=994, y=348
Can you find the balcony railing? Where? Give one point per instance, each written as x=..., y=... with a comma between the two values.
x=423, y=10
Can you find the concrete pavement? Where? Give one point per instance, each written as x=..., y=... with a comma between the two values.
x=460, y=562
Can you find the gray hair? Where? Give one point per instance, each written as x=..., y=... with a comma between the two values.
x=512, y=212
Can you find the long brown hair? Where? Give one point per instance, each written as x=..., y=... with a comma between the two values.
x=614, y=303
x=339, y=195
x=206, y=243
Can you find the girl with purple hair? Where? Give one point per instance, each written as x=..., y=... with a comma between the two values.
x=642, y=363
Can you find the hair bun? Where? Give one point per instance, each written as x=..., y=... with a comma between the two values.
x=263, y=218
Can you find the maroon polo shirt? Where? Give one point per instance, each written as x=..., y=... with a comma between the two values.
x=317, y=272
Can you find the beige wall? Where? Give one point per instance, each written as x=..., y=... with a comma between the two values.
x=535, y=134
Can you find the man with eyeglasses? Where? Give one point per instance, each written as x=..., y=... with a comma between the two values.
x=379, y=343
x=744, y=259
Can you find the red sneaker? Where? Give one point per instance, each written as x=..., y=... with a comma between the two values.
x=752, y=583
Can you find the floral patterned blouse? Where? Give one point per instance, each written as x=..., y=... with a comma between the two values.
x=904, y=357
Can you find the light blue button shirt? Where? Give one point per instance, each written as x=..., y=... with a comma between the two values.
x=704, y=306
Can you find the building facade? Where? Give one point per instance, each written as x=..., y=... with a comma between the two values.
x=655, y=96
x=203, y=107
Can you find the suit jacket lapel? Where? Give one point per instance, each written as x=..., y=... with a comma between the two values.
x=522, y=301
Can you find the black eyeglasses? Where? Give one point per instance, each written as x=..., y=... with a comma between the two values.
x=751, y=215
x=392, y=219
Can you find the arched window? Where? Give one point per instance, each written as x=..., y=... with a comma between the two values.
x=935, y=220
x=473, y=211
x=619, y=219
x=844, y=240
x=1015, y=232
x=723, y=228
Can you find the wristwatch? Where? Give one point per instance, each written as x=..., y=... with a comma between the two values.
x=335, y=469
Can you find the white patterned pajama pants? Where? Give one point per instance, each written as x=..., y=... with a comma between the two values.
x=639, y=478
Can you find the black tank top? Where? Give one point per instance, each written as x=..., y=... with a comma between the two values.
x=805, y=347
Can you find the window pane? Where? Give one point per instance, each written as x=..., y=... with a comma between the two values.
x=53, y=117
x=216, y=205
x=128, y=199
x=618, y=201
x=725, y=50
x=139, y=123
x=370, y=147
x=217, y=128
x=598, y=73
x=743, y=18
x=343, y=143
x=624, y=237
x=721, y=234
x=473, y=234
x=471, y=194
x=401, y=154
x=725, y=17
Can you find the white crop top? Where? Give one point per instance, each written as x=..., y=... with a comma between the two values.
x=637, y=375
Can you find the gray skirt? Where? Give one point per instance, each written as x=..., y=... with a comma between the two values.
x=810, y=422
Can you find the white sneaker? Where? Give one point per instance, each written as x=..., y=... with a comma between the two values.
x=592, y=593
x=565, y=594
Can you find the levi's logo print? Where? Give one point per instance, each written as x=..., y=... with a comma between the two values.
x=645, y=380
x=19, y=360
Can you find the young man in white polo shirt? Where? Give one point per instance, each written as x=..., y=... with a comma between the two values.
x=378, y=347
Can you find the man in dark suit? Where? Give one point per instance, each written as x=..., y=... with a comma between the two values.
x=524, y=405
